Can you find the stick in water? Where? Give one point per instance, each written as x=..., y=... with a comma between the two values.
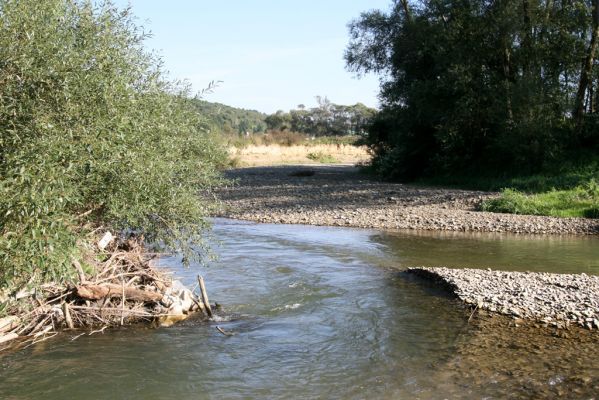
x=204, y=295
x=218, y=328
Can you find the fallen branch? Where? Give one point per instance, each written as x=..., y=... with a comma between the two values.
x=204, y=295
x=9, y=323
x=218, y=328
x=80, y=272
x=101, y=330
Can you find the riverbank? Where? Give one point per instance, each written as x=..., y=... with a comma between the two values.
x=339, y=195
x=557, y=300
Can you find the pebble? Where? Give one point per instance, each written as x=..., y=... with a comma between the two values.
x=553, y=299
x=341, y=196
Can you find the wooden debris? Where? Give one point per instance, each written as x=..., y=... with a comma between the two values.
x=221, y=330
x=110, y=290
x=204, y=295
x=77, y=265
x=9, y=323
x=8, y=337
x=67, y=315
x=124, y=288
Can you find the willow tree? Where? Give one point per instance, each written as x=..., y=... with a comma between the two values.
x=91, y=135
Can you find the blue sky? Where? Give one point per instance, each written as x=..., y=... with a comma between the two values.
x=269, y=54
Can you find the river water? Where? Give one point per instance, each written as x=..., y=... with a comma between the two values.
x=325, y=313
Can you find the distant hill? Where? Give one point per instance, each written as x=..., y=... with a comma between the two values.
x=231, y=120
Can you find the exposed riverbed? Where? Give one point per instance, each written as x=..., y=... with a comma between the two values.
x=339, y=195
x=321, y=312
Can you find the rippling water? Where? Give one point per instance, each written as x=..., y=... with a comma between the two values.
x=322, y=312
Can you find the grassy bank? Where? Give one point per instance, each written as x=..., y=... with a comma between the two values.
x=287, y=147
x=572, y=191
x=582, y=201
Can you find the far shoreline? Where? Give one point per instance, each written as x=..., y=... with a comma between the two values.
x=339, y=195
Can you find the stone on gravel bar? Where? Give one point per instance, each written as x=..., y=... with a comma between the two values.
x=553, y=299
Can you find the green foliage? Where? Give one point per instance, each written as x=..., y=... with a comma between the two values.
x=328, y=119
x=87, y=124
x=582, y=201
x=321, y=157
x=229, y=120
x=347, y=140
x=484, y=86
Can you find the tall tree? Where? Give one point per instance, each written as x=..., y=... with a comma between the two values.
x=587, y=67
x=475, y=84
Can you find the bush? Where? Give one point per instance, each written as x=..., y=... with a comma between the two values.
x=91, y=134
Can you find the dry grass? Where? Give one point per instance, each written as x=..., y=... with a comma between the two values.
x=261, y=155
x=284, y=138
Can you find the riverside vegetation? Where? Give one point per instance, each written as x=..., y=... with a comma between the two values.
x=487, y=95
x=92, y=139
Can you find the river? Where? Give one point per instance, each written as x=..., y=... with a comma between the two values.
x=323, y=313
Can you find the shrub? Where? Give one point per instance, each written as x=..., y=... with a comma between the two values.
x=91, y=134
x=321, y=157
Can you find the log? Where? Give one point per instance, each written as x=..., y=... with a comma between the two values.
x=97, y=292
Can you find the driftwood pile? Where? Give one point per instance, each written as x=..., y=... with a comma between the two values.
x=123, y=289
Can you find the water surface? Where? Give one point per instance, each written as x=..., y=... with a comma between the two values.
x=322, y=312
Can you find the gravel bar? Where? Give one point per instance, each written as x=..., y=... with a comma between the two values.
x=339, y=195
x=557, y=300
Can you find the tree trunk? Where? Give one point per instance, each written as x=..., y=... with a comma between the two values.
x=587, y=67
x=406, y=9
x=591, y=98
x=527, y=39
x=508, y=92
